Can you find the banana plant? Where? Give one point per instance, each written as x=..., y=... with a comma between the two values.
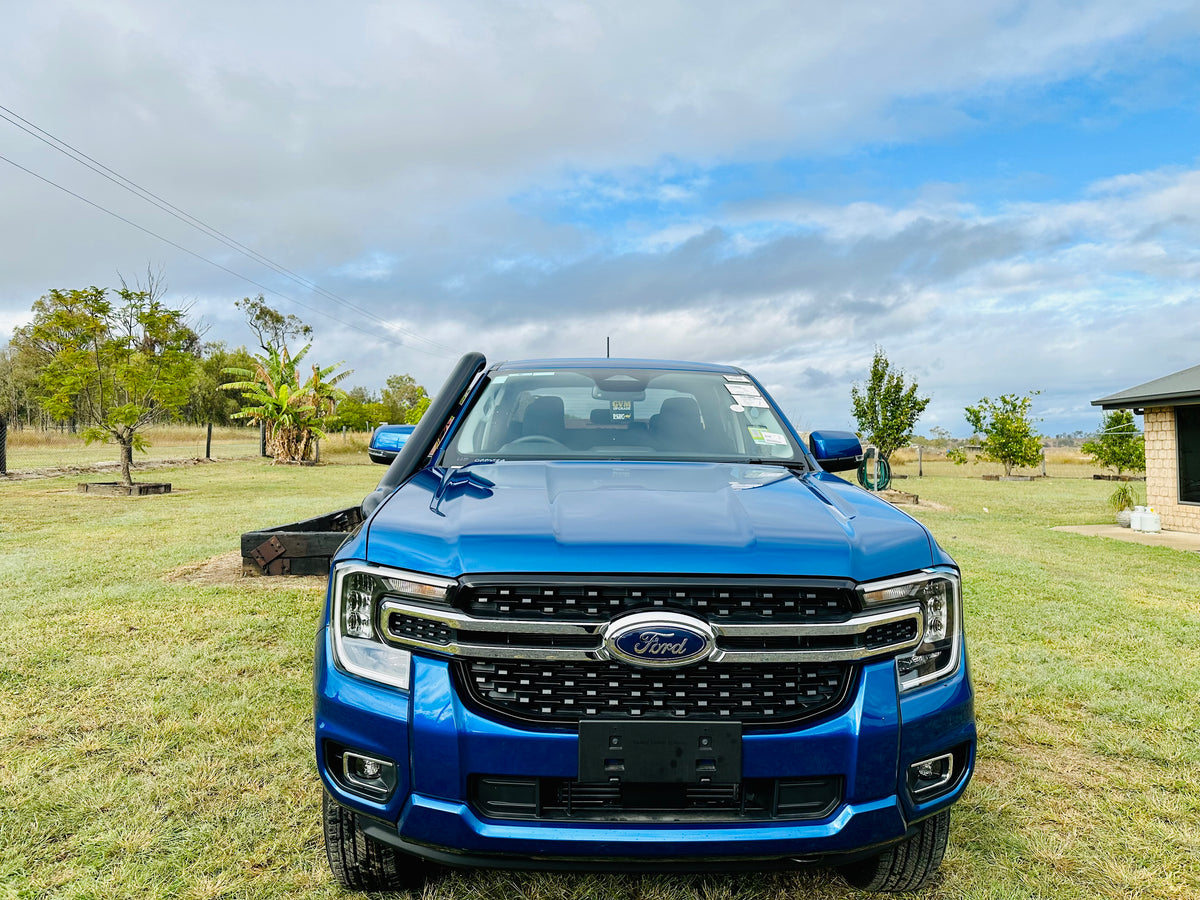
x=292, y=411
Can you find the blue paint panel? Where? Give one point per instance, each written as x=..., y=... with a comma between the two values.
x=699, y=518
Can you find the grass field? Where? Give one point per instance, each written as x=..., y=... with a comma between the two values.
x=156, y=731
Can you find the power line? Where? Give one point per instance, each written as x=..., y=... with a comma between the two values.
x=193, y=253
x=127, y=184
x=188, y=219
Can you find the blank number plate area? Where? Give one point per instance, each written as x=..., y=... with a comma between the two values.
x=660, y=752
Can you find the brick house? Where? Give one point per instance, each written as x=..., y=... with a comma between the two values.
x=1171, y=409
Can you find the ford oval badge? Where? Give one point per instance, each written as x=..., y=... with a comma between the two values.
x=659, y=639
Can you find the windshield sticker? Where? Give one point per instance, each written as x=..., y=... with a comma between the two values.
x=754, y=401
x=737, y=407
x=756, y=434
x=737, y=377
x=743, y=390
x=622, y=410
x=771, y=437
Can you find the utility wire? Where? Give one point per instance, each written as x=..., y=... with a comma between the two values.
x=205, y=259
x=188, y=219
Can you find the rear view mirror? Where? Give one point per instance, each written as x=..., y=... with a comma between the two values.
x=836, y=451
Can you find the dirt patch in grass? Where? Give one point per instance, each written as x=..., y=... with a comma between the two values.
x=227, y=569
x=143, y=466
x=903, y=498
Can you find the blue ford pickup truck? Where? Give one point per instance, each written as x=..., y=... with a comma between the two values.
x=614, y=615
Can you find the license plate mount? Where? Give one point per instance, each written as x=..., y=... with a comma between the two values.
x=653, y=752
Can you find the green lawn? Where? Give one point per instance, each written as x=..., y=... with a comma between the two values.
x=156, y=732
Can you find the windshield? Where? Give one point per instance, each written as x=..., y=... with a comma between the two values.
x=628, y=414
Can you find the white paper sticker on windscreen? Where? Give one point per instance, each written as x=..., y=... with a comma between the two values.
x=743, y=390
x=758, y=402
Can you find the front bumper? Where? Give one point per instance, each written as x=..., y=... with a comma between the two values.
x=438, y=743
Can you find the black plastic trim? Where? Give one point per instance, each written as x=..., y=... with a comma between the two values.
x=421, y=442
x=386, y=834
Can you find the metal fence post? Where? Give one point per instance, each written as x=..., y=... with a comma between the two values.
x=3, y=446
x=920, y=464
x=262, y=438
x=208, y=443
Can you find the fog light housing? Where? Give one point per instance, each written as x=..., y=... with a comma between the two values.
x=370, y=775
x=932, y=776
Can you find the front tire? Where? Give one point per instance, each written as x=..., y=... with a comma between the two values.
x=361, y=863
x=908, y=866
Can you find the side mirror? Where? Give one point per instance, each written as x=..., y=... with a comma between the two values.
x=836, y=451
x=387, y=441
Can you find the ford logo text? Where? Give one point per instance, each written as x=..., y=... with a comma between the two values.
x=658, y=639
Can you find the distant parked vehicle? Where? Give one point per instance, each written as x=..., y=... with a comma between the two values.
x=387, y=441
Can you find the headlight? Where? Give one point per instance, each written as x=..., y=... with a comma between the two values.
x=940, y=597
x=357, y=592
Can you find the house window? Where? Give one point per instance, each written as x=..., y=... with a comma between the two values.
x=1187, y=432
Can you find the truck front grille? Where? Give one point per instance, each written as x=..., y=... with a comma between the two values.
x=568, y=692
x=587, y=598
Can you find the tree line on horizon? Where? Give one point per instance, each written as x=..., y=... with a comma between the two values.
x=109, y=362
x=112, y=365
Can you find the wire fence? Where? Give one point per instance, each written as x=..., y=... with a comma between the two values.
x=37, y=451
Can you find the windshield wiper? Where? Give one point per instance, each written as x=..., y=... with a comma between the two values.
x=796, y=465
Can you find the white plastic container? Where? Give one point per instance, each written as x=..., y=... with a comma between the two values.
x=1137, y=517
x=1151, y=522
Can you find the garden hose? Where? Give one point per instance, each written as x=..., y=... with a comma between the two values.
x=874, y=474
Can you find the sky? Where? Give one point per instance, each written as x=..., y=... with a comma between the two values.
x=1003, y=195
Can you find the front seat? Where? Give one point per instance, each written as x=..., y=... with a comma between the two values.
x=545, y=417
x=678, y=426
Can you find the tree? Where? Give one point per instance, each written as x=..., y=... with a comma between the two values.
x=1006, y=431
x=1118, y=445
x=360, y=410
x=404, y=399
x=272, y=328
x=18, y=386
x=207, y=403
x=115, y=369
x=886, y=408
x=293, y=411
x=413, y=416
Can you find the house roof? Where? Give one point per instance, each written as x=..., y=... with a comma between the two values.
x=1179, y=389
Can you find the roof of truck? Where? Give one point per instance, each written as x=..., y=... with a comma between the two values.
x=602, y=363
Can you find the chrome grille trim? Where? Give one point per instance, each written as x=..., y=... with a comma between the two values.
x=518, y=638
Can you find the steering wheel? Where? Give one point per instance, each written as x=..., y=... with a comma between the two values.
x=531, y=439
